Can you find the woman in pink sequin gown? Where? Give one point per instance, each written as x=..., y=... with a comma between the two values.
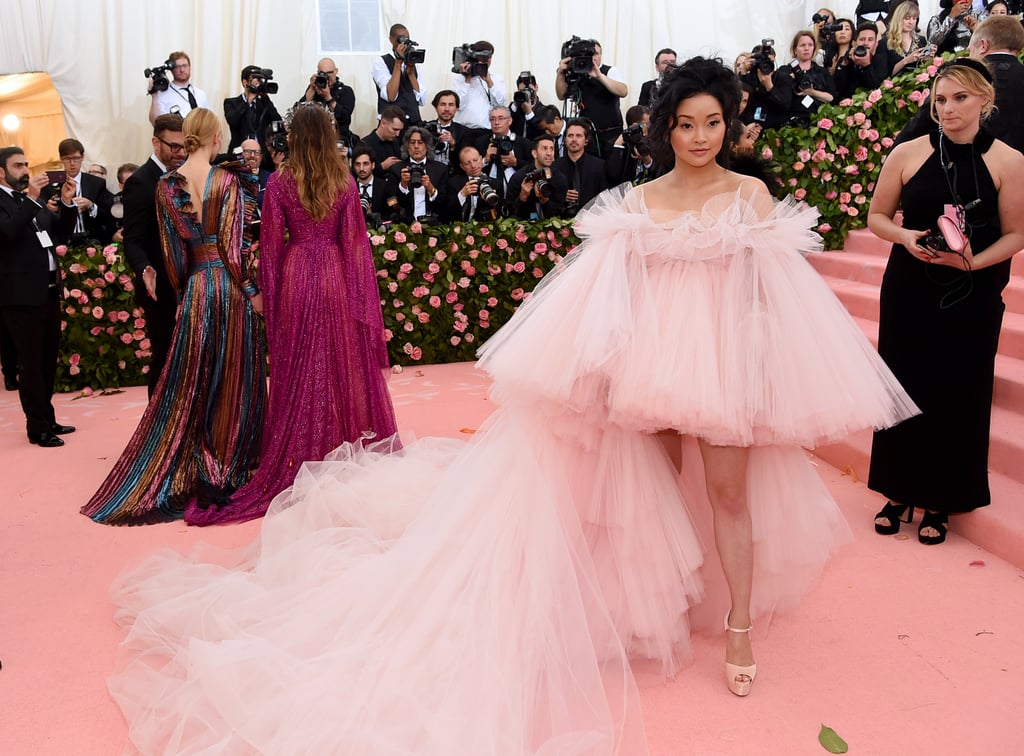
x=325, y=331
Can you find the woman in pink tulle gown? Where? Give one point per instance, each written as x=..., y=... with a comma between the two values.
x=487, y=597
x=325, y=330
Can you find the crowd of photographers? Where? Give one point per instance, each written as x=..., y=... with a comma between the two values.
x=491, y=150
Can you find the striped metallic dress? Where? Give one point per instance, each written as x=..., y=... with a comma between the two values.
x=199, y=439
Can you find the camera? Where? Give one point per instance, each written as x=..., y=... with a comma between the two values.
x=581, y=53
x=413, y=54
x=320, y=80
x=635, y=138
x=541, y=183
x=278, y=140
x=526, y=94
x=159, y=74
x=829, y=30
x=819, y=18
x=935, y=241
x=503, y=143
x=804, y=82
x=415, y=177
x=263, y=85
x=764, y=57
x=479, y=61
x=364, y=202
x=860, y=51
x=487, y=193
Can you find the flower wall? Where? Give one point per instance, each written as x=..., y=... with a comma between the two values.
x=833, y=163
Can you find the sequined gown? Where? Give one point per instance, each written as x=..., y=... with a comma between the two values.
x=199, y=438
x=325, y=335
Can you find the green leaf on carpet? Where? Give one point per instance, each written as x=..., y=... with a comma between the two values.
x=831, y=741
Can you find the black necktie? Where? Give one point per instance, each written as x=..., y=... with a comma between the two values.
x=191, y=97
x=364, y=191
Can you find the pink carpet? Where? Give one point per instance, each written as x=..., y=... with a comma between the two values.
x=902, y=649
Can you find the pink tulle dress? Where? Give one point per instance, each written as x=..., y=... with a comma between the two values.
x=488, y=597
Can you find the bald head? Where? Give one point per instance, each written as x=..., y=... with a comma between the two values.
x=251, y=154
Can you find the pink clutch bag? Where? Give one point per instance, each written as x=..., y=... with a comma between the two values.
x=951, y=234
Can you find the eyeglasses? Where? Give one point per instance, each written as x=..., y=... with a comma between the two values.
x=328, y=73
x=71, y=159
x=251, y=152
x=169, y=145
x=182, y=65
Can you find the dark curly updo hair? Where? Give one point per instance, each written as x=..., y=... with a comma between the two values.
x=694, y=77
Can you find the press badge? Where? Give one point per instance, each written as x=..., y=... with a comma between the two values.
x=44, y=239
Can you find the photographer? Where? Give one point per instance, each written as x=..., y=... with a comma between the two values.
x=503, y=151
x=249, y=114
x=448, y=135
x=178, y=95
x=470, y=194
x=378, y=195
x=549, y=121
x=538, y=191
x=812, y=83
x=276, y=139
x=479, y=90
x=823, y=25
x=595, y=92
x=901, y=45
x=340, y=99
x=421, y=179
x=772, y=102
x=861, y=69
x=584, y=173
x=385, y=141
x=840, y=45
x=397, y=76
x=951, y=30
x=664, y=61
x=630, y=158
x=525, y=105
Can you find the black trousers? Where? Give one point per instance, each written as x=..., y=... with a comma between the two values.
x=35, y=331
x=160, y=317
x=8, y=354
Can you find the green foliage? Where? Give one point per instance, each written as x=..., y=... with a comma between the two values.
x=833, y=163
x=446, y=289
x=104, y=342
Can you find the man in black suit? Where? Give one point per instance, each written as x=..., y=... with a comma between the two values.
x=465, y=201
x=249, y=114
x=386, y=140
x=630, y=158
x=421, y=180
x=30, y=286
x=664, y=61
x=997, y=41
x=92, y=198
x=449, y=134
x=377, y=194
x=584, y=172
x=537, y=191
x=504, y=153
x=142, y=247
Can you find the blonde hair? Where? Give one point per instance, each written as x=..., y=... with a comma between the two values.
x=314, y=161
x=964, y=73
x=199, y=129
x=894, y=34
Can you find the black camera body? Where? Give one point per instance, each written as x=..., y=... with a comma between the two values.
x=485, y=191
x=415, y=177
x=503, y=143
x=159, y=74
x=264, y=84
x=413, y=53
x=479, y=61
x=522, y=96
x=320, y=80
x=278, y=140
x=819, y=18
x=803, y=82
x=860, y=51
x=764, y=57
x=540, y=181
x=581, y=53
x=635, y=138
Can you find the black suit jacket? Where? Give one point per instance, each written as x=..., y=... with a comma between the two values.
x=1005, y=123
x=101, y=228
x=381, y=151
x=24, y=263
x=455, y=211
x=533, y=206
x=521, y=148
x=590, y=178
x=142, y=230
x=438, y=173
x=245, y=125
x=384, y=196
x=646, y=93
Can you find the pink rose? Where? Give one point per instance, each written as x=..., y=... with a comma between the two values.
x=390, y=255
x=873, y=135
x=825, y=123
x=844, y=198
x=492, y=301
x=401, y=276
x=484, y=288
x=388, y=334
x=932, y=69
x=517, y=294
x=75, y=293
x=825, y=228
x=792, y=182
x=423, y=317
x=484, y=315
x=921, y=78
x=538, y=273
x=469, y=338
x=831, y=195
x=145, y=344
x=818, y=156
x=455, y=340
x=97, y=312
x=416, y=227
x=798, y=166
x=875, y=95
x=519, y=267
x=392, y=287
x=887, y=142
x=803, y=155
x=122, y=364
x=126, y=338
x=859, y=118
x=540, y=248
x=855, y=189
x=97, y=293
x=861, y=154
x=405, y=268
x=826, y=176
x=852, y=212
x=129, y=286
x=887, y=84
x=876, y=147
x=484, y=231
x=74, y=370
x=75, y=358
x=434, y=268
x=767, y=153
x=62, y=249
x=95, y=330
x=451, y=296
x=408, y=326
x=399, y=237
x=459, y=326
x=470, y=240
x=432, y=241
x=138, y=335
x=434, y=301
x=860, y=200
x=139, y=323
x=800, y=193
x=90, y=251
x=463, y=283
x=849, y=120
x=110, y=330
x=851, y=170
x=123, y=316
x=376, y=240
x=501, y=244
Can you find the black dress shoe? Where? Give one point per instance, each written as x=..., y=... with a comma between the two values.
x=45, y=439
x=62, y=430
x=11, y=384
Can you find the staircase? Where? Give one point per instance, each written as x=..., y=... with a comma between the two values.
x=855, y=275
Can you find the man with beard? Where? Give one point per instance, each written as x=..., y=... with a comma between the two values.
x=421, y=179
x=30, y=286
x=376, y=193
x=142, y=248
x=584, y=172
x=537, y=191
